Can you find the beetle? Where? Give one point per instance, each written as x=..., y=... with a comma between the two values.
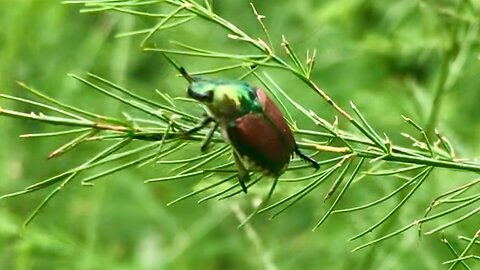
x=250, y=122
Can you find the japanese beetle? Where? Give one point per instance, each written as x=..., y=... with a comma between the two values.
x=250, y=122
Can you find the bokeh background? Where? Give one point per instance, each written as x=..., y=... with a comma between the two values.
x=385, y=56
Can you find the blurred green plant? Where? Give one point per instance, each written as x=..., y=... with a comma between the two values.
x=354, y=153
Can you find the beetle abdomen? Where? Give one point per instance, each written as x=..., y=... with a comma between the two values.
x=263, y=139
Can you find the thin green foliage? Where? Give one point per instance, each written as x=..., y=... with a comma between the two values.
x=157, y=131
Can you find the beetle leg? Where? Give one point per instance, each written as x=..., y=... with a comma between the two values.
x=208, y=138
x=306, y=158
x=243, y=175
x=207, y=120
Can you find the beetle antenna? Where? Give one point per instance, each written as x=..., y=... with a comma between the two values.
x=180, y=69
x=185, y=74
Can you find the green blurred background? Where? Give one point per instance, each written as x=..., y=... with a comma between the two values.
x=386, y=56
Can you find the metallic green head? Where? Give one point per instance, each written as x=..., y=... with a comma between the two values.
x=202, y=90
x=225, y=99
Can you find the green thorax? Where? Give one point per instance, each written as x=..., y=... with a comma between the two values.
x=229, y=99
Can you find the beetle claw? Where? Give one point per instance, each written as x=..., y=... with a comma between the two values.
x=207, y=120
x=243, y=177
x=243, y=174
x=203, y=148
x=242, y=184
x=306, y=158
